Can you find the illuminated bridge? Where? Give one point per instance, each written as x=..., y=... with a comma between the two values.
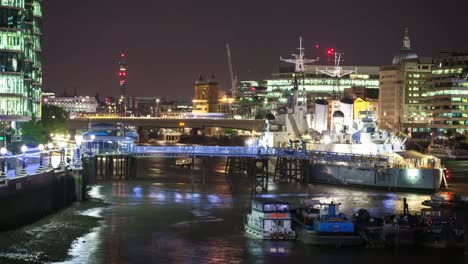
x=248, y=152
x=109, y=162
x=169, y=122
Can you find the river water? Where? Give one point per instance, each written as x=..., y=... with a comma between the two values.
x=161, y=218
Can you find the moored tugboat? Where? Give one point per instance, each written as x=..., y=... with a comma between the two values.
x=435, y=227
x=269, y=219
x=441, y=229
x=326, y=226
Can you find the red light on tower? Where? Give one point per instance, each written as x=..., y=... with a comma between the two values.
x=330, y=51
x=122, y=55
x=317, y=46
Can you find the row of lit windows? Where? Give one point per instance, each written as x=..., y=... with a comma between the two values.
x=460, y=99
x=11, y=41
x=447, y=71
x=323, y=82
x=416, y=75
x=447, y=92
x=451, y=115
x=13, y=3
x=421, y=129
x=72, y=104
x=37, y=8
x=451, y=123
x=13, y=106
x=13, y=84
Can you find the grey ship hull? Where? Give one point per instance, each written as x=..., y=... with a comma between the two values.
x=425, y=180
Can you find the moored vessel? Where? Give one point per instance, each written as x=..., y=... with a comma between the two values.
x=348, y=146
x=269, y=219
x=325, y=226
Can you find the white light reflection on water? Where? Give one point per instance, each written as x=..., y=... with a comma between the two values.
x=84, y=249
x=96, y=192
x=161, y=197
x=178, y=198
x=93, y=212
x=137, y=192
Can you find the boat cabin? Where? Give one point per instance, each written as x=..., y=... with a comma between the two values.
x=332, y=221
x=270, y=217
x=266, y=205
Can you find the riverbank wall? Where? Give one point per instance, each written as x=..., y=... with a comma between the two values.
x=26, y=199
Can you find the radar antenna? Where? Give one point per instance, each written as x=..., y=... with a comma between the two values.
x=337, y=71
x=299, y=59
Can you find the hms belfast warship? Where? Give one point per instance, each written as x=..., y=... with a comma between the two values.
x=349, y=150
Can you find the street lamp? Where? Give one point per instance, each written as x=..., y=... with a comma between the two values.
x=157, y=107
x=50, y=146
x=41, y=149
x=93, y=137
x=62, y=146
x=78, y=140
x=3, y=151
x=24, y=149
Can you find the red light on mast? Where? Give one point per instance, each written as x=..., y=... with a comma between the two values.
x=330, y=51
x=317, y=46
x=122, y=55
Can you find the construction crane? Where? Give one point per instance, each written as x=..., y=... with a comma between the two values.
x=234, y=87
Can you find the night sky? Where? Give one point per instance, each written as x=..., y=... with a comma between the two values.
x=169, y=43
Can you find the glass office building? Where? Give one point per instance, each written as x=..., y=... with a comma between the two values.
x=447, y=99
x=20, y=59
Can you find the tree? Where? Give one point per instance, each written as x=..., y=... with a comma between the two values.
x=33, y=133
x=54, y=119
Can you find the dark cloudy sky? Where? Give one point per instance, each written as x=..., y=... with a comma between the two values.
x=169, y=43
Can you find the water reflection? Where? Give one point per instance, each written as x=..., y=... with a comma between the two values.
x=154, y=221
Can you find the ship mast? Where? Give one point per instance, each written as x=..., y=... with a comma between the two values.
x=299, y=61
x=337, y=71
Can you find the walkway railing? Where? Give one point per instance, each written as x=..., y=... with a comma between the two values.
x=220, y=151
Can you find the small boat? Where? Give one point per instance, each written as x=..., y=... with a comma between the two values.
x=269, y=219
x=440, y=201
x=436, y=226
x=326, y=226
x=441, y=229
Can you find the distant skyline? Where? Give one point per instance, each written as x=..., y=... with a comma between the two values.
x=169, y=44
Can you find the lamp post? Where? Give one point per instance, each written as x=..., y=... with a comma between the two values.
x=41, y=149
x=24, y=149
x=78, y=140
x=93, y=137
x=157, y=107
x=3, y=151
x=62, y=153
x=50, y=146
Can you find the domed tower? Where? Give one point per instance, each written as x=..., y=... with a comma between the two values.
x=405, y=53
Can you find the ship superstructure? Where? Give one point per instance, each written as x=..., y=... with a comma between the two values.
x=352, y=142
